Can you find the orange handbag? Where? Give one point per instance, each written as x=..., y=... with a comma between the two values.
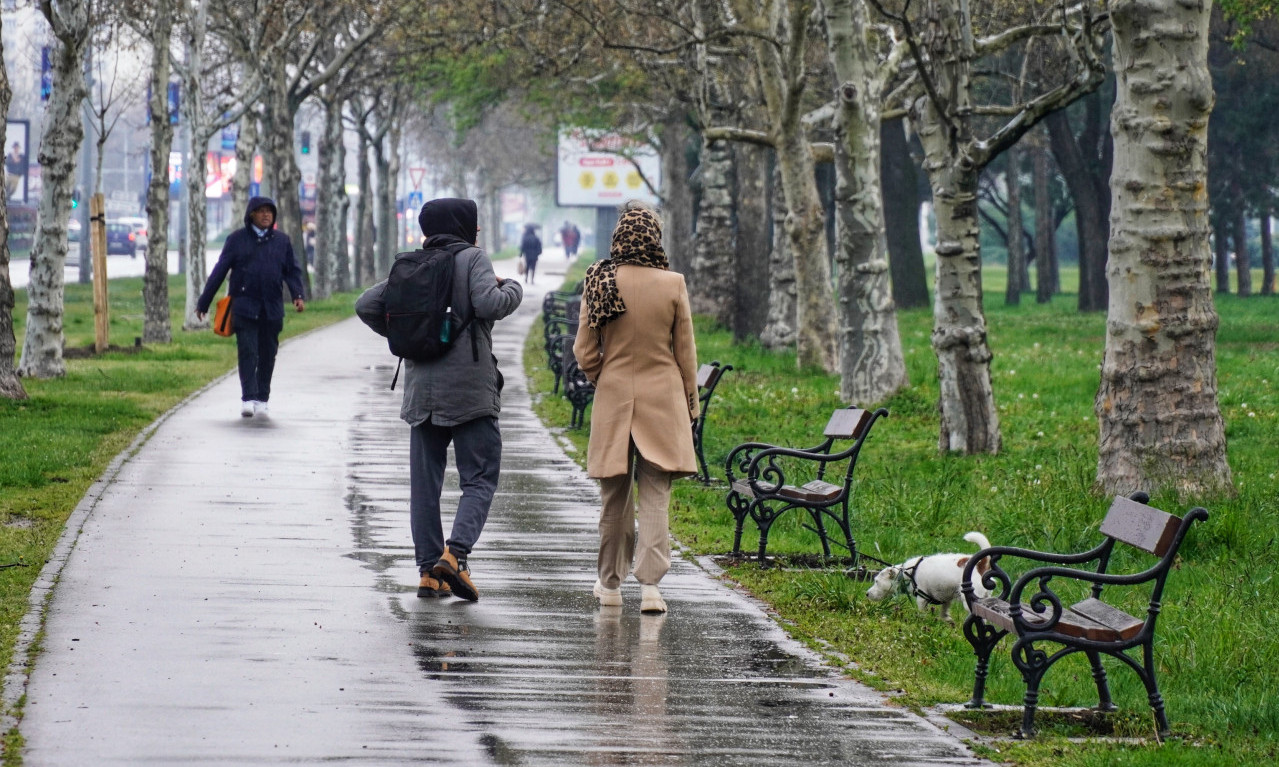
x=223, y=323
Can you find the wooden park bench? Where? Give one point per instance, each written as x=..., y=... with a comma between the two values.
x=707, y=379
x=766, y=481
x=1030, y=609
x=578, y=389
x=555, y=302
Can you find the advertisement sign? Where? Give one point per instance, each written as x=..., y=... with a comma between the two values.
x=175, y=173
x=16, y=165
x=230, y=134
x=597, y=169
x=220, y=174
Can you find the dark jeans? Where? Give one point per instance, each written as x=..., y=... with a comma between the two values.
x=477, y=447
x=257, y=341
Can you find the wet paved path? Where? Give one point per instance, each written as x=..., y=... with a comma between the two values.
x=243, y=592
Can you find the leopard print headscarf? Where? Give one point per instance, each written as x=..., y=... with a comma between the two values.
x=636, y=240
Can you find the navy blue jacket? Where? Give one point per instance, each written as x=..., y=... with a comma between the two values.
x=260, y=267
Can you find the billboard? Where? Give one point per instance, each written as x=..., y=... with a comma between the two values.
x=597, y=169
x=16, y=153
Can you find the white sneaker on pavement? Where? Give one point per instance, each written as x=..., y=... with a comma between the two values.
x=246, y=408
x=261, y=408
x=607, y=597
x=651, y=600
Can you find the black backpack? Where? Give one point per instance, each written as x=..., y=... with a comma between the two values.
x=420, y=322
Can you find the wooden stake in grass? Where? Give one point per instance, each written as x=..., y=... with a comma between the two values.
x=98, y=243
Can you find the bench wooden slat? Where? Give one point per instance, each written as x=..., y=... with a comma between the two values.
x=1137, y=524
x=847, y=423
x=705, y=374
x=743, y=488
x=1123, y=624
x=1073, y=622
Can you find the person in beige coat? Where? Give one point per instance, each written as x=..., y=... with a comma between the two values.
x=635, y=343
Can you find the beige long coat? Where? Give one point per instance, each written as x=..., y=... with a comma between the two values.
x=644, y=367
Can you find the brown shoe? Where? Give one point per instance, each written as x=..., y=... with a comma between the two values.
x=456, y=574
x=430, y=586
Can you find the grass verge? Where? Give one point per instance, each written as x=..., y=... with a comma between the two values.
x=1215, y=648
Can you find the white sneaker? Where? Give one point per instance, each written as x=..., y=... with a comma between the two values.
x=651, y=600
x=246, y=408
x=261, y=408
x=607, y=597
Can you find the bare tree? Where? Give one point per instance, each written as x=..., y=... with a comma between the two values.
x=943, y=107
x=1161, y=426
x=10, y=386
x=59, y=150
x=155, y=281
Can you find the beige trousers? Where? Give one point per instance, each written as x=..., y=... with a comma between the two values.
x=618, y=544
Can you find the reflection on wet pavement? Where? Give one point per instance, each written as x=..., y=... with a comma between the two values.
x=541, y=675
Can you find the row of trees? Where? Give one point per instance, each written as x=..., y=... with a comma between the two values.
x=750, y=102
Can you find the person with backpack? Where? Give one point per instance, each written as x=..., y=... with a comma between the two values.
x=261, y=263
x=437, y=308
x=530, y=251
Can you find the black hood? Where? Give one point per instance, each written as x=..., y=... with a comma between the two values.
x=258, y=202
x=452, y=216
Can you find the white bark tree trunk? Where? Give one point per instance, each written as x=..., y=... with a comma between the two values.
x=781, y=69
x=59, y=152
x=286, y=177
x=197, y=244
x=246, y=145
x=1161, y=426
x=155, y=281
x=712, y=276
x=330, y=231
x=365, y=259
x=779, y=328
x=872, y=366
x=10, y=385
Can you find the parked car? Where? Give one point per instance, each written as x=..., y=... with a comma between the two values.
x=121, y=239
x=139, y=225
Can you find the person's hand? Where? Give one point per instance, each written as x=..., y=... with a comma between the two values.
x=199, y=316
x=299, y=304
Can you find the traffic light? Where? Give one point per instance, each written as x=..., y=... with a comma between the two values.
x=306, y=142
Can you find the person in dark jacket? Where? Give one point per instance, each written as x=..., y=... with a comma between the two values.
x=453, y=399
x=261, y=262
x=530, y=251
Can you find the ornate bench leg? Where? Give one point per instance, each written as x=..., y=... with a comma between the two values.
x=1104, y=703
x=821, y=531
x=983, y=637
x=1152, y=689
x=764, y=524
x=1032, y=663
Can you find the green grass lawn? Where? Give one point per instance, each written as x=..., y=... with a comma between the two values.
x=1216, y=650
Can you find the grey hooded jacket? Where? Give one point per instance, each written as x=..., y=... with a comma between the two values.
x=455, y=388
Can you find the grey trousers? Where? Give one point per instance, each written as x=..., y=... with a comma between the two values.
x=477, y=446
x=618, y=545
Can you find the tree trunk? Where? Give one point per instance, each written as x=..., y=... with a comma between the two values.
x=1090, y=212
x=783, y=89
x=779, y=330
x=365, y=262
x=712, y=274
x=246, y=145
x=871, y=365
x=1221, y=252
x=1048, y=280
x=287, y=176
x=197, y=243
x=155, y=282
x=330, y=234
x=1267, y=256
x=10, y=385
x=677, y=197
x=1016, y=241
x=1161, y=426
x=752, y=240
x=59, y=151
x=1243, y=262
x=901, y=217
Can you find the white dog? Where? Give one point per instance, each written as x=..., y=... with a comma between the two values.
x=932, y=580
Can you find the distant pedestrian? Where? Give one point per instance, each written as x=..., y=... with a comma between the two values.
x=635, y=343
x=261, y=262
x=570, y=237
x=530, y=251
x=455, y=398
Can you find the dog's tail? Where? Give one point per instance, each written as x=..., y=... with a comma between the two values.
x=982, y=543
